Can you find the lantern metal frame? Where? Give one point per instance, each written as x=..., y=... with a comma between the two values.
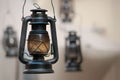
x=38, y=66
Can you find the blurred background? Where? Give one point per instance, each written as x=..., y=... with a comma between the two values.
x=97, y=22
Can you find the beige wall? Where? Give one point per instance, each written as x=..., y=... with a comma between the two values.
x=100, y=51
x=8, y=65
x=104, y=48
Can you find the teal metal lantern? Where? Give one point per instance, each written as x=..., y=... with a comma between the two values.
x=38, y=44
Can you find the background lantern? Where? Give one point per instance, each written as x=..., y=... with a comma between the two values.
x=73, y=54
x=38, y=42
x=10, y=43
x=66, y=10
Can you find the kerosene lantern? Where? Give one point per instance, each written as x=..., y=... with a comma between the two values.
x=38, y=42
x=73, y=54
x=66, y=10
x=10, y=43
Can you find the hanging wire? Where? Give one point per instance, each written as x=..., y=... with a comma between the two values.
x=8, y=7
x=38, y=7
x=7, y=12
x=23, y=9
x=53, y=10
x=6, y=20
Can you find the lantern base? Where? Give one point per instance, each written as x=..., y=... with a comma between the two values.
x=73, y=67
x=38, y=67
x=9, y=54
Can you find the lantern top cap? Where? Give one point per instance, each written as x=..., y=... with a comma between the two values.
x=9, y=27
x=72, y=32
x=39, y=10
x=9, y=30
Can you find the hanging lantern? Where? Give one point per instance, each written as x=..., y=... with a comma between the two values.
x=66, y=10
x=10, y=43
x=38, y=44
x=73, y=54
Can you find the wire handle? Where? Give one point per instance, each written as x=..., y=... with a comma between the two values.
x=53, y=10
x=38, y=7
x=23, y=9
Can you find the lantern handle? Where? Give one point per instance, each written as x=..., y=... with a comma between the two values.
x=23, y=39
x=54, y=40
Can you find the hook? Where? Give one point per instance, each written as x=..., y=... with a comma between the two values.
x=36, y=5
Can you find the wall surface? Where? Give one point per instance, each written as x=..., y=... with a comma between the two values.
x=11, y=14
x=100, y=50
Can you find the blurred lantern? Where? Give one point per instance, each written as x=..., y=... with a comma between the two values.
x=66, y=10
x=38, y=42
x=10, y=43
x=73, y=54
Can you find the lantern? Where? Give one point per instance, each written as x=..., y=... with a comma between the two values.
x=10, y=43
x=38, y=44
x=73, y=54
x=66, y=10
